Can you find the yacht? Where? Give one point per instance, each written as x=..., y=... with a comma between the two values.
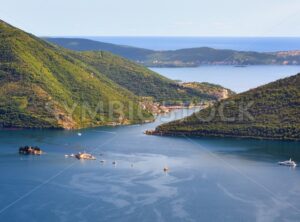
x=288, y=163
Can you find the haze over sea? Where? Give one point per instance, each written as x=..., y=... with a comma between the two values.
x=260, y=44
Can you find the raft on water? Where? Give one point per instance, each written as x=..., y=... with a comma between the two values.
x=28, y=150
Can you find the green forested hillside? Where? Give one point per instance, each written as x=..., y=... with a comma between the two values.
x=140, y=80
x=45, y=86
x=78, y=44
x=271, y=111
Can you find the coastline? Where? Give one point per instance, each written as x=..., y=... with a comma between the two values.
x=195, y=135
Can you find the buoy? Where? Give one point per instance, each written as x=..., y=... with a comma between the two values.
x=166, y=169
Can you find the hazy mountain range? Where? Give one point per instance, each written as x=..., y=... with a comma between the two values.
x=184, y=57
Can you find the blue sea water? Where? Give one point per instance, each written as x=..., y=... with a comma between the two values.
x=209, y=179
x=260, y=44
x=238, y=79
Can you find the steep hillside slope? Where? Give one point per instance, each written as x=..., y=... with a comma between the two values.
x=46, y=86
x=140, y=80
x=271, y=111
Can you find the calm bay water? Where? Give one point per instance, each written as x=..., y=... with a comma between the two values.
x=209, y=179
x=238, y=79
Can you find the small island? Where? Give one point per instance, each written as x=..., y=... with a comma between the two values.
x=28, y=150
x=85, y=156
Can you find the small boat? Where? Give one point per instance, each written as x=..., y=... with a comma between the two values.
x=66, y=156
x=166, y=169
x=114, y=162
x=72, y=155
x=79, y=134
x=288, y=163
x=85, y=156
x=102, y=161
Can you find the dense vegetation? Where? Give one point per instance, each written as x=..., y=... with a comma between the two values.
x=183, y=57
x=270, y=111
x=142, y=81
x=45, y=86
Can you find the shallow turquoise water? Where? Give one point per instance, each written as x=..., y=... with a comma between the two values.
x=209, y=179
x=238, y=79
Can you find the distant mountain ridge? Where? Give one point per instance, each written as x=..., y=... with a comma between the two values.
x=191, y=57
x=78, y=44
x=271, y=111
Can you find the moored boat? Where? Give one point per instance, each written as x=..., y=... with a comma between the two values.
x=288, y=163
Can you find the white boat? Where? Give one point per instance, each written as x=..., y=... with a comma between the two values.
x=66, y=156
x=288, y=163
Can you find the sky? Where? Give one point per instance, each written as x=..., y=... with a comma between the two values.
x=154, y=17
